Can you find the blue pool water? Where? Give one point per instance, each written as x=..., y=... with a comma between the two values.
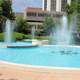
x=53, y=56
x=17, y=43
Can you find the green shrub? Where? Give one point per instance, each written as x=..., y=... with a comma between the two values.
x=41, y=37
x=20, y=36
x=1, y=37
x=16, y=36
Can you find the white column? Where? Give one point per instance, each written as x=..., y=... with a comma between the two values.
x=43, y=5
x=48, y=5
x=58, y=5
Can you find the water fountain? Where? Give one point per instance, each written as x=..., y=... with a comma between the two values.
x=8, y=31
x=33, y=32
x=44, y=55
x=8, y=38
x=64, y=60
x=63, y=34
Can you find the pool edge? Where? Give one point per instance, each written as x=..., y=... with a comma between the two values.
x=37, y=66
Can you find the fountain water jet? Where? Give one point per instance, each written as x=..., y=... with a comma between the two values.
x=33, y=32
x=63, y=34
x=8, y=31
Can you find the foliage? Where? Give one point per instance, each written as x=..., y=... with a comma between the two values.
x=6, y=6
x=20, y=36
x=48, y=25
x=74, y=10
x=16, y=36
x=40, y=33
x=22, y=25
x=78, y=15
x=1, y=37
x=5, y=12
x=78, y=6
x=41, y=37
x=70, y=9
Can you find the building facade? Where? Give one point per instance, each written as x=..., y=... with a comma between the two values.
x=55, y=5
x=19, y=14
x=36, y=16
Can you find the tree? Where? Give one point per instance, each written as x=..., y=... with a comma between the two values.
x=78, y=14
x=73, y=12
x=48, y=25
x=72, y=8
x=6, y=6
x=6, y=12
x=22, y=25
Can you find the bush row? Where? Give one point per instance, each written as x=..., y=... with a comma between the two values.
x=16, y=36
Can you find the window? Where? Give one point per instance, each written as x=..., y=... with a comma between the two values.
x=40, y=14
x=64, y=2
x=45, y=4
x=53, y=5
x=31, y=14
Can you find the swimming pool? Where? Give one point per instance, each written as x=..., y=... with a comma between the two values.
x=16, y=43
x=52, y=56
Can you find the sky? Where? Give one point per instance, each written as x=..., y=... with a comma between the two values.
x=20, y=5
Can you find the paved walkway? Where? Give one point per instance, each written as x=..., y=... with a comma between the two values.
x=11, y=72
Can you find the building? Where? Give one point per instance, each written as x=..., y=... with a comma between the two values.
x=51, y=8
x=35, y=16
x=55, y=5
x=19, y=14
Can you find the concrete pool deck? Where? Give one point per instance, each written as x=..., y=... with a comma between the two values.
x=15, y=72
